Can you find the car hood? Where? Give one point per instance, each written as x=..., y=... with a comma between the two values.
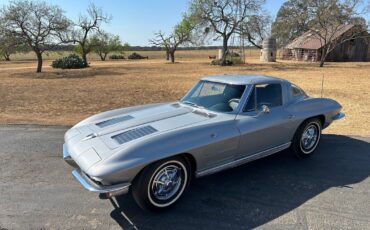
x=98, y=139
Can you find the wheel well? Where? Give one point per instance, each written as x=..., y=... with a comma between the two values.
x=322, y=119
x=191, y=160
x=187, y=156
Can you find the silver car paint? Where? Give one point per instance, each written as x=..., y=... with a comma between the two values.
x=213, y=139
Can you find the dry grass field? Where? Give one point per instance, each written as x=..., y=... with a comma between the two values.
x=67, y=96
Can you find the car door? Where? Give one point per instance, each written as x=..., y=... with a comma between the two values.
x=262, y=130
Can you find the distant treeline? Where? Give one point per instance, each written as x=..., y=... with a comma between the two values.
x=148, y=48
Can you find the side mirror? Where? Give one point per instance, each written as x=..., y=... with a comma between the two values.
x=265, y=109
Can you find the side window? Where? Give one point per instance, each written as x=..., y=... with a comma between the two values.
x=251, y=103
x=268, y=94
x=297, y=92
x=264, y=94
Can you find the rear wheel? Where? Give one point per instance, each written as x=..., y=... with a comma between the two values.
x=307, y=138
x=161, y=184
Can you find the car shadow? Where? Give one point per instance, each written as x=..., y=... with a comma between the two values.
x=256, y=193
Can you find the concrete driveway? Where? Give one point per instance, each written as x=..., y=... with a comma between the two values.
x=330, y=190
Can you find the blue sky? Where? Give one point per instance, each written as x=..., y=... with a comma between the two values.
x=135, y=21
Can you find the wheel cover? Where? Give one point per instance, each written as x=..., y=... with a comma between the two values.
x=163, y=194
x=309, y=138
x=167, y=182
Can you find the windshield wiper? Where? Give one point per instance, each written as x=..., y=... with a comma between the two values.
x=193, y=104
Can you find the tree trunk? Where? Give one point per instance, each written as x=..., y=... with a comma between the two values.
x=7, y=56
x=167, y=54
x=84, y=58
x=172, y=56
x=323, y=57
x=39, y=61
x=322, y=63
x=224, y=50
x=102, y=56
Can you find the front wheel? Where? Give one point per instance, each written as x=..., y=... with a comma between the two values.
x=161, y=184
x=307, y=138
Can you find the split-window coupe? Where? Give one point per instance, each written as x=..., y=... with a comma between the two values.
x=155, y=150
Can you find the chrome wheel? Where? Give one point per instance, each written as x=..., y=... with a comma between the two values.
x=310, y=138
x=167, y=183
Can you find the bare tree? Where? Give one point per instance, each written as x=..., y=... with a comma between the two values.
x=223, y=17
x=182, y=34
x=84, y=27
x=255, y=29
x=160, y=39
x=35, y=23
x=329, y=20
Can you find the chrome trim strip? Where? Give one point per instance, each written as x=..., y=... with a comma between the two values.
x=243, y=160
x=90, y=185
x=338, y=116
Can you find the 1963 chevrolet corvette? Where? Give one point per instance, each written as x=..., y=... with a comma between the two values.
x=222, y=122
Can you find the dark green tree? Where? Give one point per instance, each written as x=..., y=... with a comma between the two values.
x=292, y=20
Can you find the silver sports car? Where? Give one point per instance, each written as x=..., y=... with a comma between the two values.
x=155, y=150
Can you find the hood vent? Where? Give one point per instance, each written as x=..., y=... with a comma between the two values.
x=133, y=134
x=204, y=114
x=176, y=105
x=113, y=121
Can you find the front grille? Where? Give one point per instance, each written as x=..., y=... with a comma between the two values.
x=133, y=134
x=113, y=121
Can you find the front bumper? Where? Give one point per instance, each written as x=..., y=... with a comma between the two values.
x=105, y=191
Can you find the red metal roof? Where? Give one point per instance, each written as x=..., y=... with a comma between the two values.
x=312, y=41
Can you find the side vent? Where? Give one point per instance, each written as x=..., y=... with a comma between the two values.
x=133, y=134
x=113, y=121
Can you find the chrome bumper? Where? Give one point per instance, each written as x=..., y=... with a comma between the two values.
x=105, y=191
x=338, y=116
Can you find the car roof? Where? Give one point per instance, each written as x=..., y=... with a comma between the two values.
x=239, y=79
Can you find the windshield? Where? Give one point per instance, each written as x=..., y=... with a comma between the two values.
x=218, y=97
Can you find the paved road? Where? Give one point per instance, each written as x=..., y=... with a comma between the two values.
x=330, y=190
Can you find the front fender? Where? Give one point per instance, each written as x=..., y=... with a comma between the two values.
x=207, y=143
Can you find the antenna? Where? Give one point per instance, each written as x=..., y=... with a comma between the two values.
x=322, y=85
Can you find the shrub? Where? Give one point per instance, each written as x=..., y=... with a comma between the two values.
x=136, y=56
x=233, y=54
x=236, y=60
x=218, y=62
x=72, y=61
x=229, y=61
x=115, y=56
